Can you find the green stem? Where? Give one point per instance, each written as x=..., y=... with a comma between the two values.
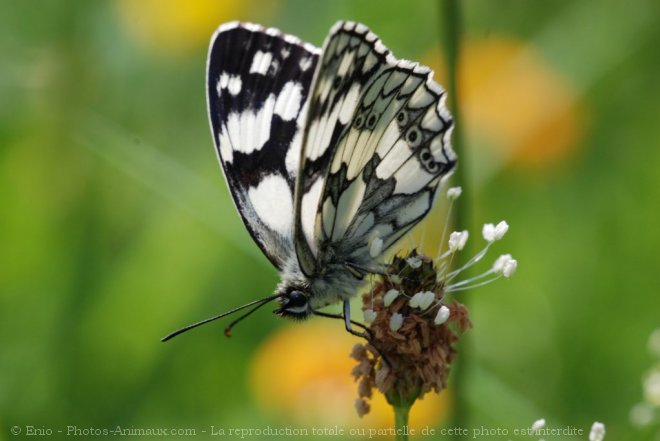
x=451, y=26
x=401, y=414
x=401, y=399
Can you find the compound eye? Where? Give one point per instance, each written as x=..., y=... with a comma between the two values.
x=296, y=299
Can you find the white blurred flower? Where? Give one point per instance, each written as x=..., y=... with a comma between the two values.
x=642, y=414
x=454, y=193
x=390, y=296
x=457, y=240
x=654, y=343
x=538, y=425
x=652, y=386
x=442, y=316
x=396, y=321
x=597, y=432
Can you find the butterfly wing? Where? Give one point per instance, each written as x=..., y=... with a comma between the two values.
x=257, y=85
x=376, y=147
x=351, y=57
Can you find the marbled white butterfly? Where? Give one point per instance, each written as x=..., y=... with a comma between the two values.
x=331, y=155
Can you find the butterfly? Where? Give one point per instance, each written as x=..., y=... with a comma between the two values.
x=331, y=155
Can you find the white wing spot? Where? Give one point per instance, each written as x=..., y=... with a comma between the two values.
x=369, y=63
x=305, y=63
x=250, y=130
x=310, y=203
x=273, y=203
x=411, y=177
x=289, y=100
x=230, y=82
x=234, y=85
x=345, y=63
x=224, y=144
x=349, y=104
x=292, y=157
x=347, y=206
x=222, y=82
x=261, y=62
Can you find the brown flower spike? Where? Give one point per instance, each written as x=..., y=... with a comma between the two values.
x=418, y=351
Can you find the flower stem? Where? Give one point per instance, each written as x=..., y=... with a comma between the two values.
x=401, y=414
x=451, y=27
x=401, y=399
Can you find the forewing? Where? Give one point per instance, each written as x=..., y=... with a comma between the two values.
x=390, y=152
x=257, y=85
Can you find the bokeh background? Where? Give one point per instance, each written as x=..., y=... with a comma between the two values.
x=116, y=226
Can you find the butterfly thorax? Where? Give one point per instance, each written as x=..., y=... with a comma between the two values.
x=302, y=294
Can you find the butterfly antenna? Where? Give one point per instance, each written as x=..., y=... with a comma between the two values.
x=247, y=314
x=259, y=304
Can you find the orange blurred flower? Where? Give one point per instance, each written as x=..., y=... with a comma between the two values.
x=178, y=26
x=515, y=102
x=302, y=373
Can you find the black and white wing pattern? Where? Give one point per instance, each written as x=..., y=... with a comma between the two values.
x=257, y=85
x=376, y=145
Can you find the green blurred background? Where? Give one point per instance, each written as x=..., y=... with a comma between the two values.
x=116, y=226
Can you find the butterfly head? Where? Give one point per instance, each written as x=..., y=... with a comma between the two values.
x=294, y=303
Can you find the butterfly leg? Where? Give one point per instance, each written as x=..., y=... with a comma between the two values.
x=359, y=271
x=341, y=317
x=346, y=316
x=348, y=322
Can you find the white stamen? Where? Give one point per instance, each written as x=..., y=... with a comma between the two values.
x=505, y=265
x=442, y=316
x=477, y=257
x=414, y=262
x=501, y=229
x=390, y=296
x=457, y=240
x=495, y=232
x=396, y=321
x=375, y=247
x=597, y=432
x=369, y=316
x=463, y=287
x=538, y=425
x=422, y=300
x=510, y=268
x=454, y=193
x=444, y=231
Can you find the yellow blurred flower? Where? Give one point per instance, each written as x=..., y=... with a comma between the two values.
x=178, y=26
x=302, y=373
x=515, y=102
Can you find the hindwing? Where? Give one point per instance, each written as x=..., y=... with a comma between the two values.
x=376, y=145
